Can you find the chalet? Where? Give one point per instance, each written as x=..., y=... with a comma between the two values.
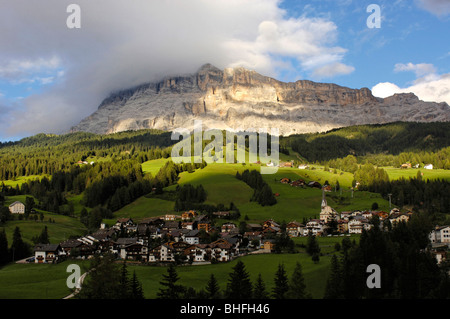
x=327, y=188
x=314, y=227
x=342, y=226
x=189, y=225
x=134, y=251
x=314, y=184
x=153, y=221
x=287, y=164
x=227, y=227
x=47, y=253
x=270, y=223
x=176, y=234
x=441, y=234
x=70, y=244
x=125, y=223
x=406, y=166
x=367, y=215
x=251, y=235
x=17, y=208
x=357, y=224
x=223, y=250
x=171, y=225
x=268, y=245
x=346, y=215
x=294, y=229
x=203, y=223
x=170, y=217
x=398, y=217
x=189, y=215
x=192, y=237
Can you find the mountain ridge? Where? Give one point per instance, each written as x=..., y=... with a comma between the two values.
x=237, y=98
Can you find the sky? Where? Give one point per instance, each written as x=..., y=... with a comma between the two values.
x=52, y=74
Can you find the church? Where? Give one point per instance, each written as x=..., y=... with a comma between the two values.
x=326, y=213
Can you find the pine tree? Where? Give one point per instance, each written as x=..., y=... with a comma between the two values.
x=4, y=254
x=44, y=238
x=297, y=286
x=259, y=291
x=334, y=288
x=136, y=288
x=124, y=284
x=19, y=248
x=103, y=281
x=172, y=290
x=312, y=246
x=212, y=288
x=239, y=285
x=281, y=283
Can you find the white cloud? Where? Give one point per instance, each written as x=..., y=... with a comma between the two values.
x=332, y=70
x=428, y=86
x=20, y=71
x=122, y=44
x=436, y=89
x=437, y=7
x=421, y=69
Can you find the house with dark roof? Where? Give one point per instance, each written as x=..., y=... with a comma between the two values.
x=47, y=253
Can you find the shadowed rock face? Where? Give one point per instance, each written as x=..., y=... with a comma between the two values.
x=242, y=99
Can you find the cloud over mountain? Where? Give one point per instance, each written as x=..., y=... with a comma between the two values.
x=122, y=44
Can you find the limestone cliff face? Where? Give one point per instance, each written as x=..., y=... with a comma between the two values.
x=242, y=99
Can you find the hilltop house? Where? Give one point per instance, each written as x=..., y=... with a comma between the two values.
x=17, y=208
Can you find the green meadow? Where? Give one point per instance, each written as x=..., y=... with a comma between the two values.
x=141, y=208
x=61, y=229
x=428, y=174
x=35, y=281
x=196, y=276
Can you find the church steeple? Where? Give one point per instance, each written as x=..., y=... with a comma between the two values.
x=324, y=200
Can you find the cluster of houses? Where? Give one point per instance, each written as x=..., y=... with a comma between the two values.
x=160, y=239
x=409, y=165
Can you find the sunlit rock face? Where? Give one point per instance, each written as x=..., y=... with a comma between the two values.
x=238, y=98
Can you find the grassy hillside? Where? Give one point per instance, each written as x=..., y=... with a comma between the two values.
x=60, y=230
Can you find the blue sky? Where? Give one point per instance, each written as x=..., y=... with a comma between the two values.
x=52, y=76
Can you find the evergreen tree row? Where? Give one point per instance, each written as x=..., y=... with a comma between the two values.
x=239, y=286
x=262, y=193
x=408, y=269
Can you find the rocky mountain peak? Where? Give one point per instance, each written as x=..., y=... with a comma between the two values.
x=239, y=98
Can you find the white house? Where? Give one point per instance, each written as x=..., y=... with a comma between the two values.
x=428, y=166
x=17, y=208
x=192, y=237
x=441, y=234
x=47, y=253
x=356, y=225
x=314, y=227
